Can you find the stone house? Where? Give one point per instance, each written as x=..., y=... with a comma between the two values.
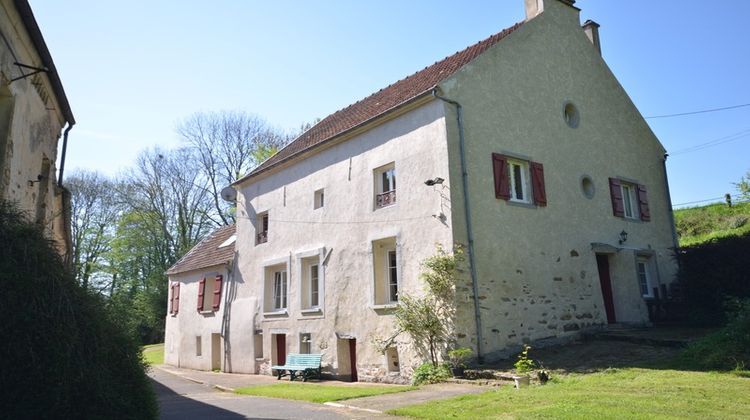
x=523, y=147
x=33, y=112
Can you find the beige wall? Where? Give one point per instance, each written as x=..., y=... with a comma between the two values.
x=537, y=271
x=30, y=126
x=344, y=230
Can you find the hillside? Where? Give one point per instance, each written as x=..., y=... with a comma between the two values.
x=697, y=225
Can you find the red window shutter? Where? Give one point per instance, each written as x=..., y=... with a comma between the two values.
x=537, y=183
x=201, y=290
x=171, y=298
x=616, y=192
x=502, y=182
x=643, y=203
x=217, y=292
x=176, y=297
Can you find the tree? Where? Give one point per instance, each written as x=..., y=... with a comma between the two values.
x=744, y=186
x=227, y=145
x=94, y=212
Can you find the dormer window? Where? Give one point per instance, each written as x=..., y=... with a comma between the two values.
x=385, y=186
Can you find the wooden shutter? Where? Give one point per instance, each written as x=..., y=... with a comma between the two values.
x=201, y=290
x=537, y=184
x=176, y=296
x=217, y=292
x=502, y=182
x=171, y=298
x=615, y=191
x=643, y=203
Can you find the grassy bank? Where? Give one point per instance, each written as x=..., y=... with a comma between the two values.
x=697, y=225
x=154, y=354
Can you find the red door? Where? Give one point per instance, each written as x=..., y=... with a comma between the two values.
x=281, y=349
x=353, y=358
x=602, y=263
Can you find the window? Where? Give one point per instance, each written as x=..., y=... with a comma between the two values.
x=518, y=180
x=319, y=199
x=305, y=343
x=209, y=287
x=385, y=264
x=392, y=277
x=385, y=181
x=571, y=115
x=279, y=290
x=174, y=301
x=629, y=200
x=314, y=285
x=644, y=277
x=261, y=228
x=198, y=346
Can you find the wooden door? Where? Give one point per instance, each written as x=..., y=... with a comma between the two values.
x=353, y=358
x=602, y=264
x=281, y=349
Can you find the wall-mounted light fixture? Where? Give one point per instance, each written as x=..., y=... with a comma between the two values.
x=431, y=182
x=623, y=237
x=39, y=178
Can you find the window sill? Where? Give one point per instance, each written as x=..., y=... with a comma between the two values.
x=280, y=312
x=384, y=306
x=521, y=204
x=312, y=311
x=207, y=313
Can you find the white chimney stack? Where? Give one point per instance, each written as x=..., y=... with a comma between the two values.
x=591, y=29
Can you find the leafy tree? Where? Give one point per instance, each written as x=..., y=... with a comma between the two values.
x=744, y=186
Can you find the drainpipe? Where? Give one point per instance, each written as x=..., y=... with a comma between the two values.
x=675, y=241
x=467, y=215
x=64, y=151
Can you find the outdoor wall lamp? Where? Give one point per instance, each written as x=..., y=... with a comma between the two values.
x=431, y=182
x=39, y=178
x=623, y=237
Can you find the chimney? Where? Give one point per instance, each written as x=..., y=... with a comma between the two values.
x=591, y=29
x=535, y=7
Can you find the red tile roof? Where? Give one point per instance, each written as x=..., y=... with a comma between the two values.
x=207, y=252
x=380, y=102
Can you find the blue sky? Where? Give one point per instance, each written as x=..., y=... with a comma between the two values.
x=133, y=69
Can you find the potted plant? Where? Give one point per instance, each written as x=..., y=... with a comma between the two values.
x=456, y=359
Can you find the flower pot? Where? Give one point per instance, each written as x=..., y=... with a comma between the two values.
x=521, y=381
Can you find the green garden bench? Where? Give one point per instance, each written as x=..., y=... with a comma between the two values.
x=307, y=364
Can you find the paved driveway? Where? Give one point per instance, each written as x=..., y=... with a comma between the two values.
x=180, y=398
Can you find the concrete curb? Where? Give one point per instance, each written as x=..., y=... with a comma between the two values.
x=224, y=388
x=351, y=407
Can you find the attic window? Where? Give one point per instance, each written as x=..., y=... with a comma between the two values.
x=571, y=115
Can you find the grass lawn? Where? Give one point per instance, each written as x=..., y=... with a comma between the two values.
x=697, y=225
x=154, y=354
x=613, y=393
x=319, y=393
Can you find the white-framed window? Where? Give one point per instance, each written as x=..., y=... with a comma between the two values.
x=305, y=343
x=319, y=199
x=261, y=228
x=386, y=271
x=385, y=186
x=314, y=285
x=280, y=289
x=392, y=270
x=629, y=200
x=519, y=181
x=644, y=277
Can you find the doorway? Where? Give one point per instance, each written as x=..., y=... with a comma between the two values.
x=279, y=348
x=353, y=358
x=602, y=264
x=346, y=355
x=215, y=351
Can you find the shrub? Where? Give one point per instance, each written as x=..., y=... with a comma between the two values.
x=63, y=354
x=726, y=349
x=457, y=357
x=428, y=373
x=524, y=364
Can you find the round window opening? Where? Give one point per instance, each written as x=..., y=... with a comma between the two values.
x=570, y=114
x=587, y=186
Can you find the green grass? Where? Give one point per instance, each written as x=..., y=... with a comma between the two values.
x=319, y=393
x=154, y=354
x=614, y=393
x=697, y=225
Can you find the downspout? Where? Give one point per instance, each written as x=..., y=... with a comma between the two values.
x=64, y=152
x=675, y=241
x=467, y=215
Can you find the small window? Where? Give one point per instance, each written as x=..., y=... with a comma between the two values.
x=279, y=290
x=319, y=199
x=305, y=343
x=391, y=357
x=198, y=346
x=261, y=228
x=385, y=186
x=519, y=176
x=644, y=277
x=570, y=115
x=629, y=200
x=587, y=186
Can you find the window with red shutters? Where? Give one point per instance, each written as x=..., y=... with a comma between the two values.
x=201, y=292
x=171, y=298
x=176, y=298
x=502, y=180
x=615, y=190
x=217, y=292
x=643, y=203
x=537, y=184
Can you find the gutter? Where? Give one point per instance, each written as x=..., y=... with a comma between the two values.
x=64, y=152
x=467, y=215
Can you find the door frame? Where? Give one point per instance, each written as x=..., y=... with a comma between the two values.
x=605, y=283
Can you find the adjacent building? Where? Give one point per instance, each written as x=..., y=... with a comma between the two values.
x=33, y=112
x=523, y=148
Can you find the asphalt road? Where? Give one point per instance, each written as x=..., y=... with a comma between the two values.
x=180, y=398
